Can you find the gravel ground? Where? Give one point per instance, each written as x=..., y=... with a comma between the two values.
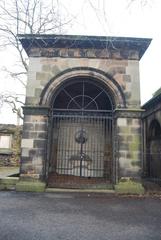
x=43, y=216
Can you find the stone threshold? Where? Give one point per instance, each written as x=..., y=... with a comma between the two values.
x=68, y=190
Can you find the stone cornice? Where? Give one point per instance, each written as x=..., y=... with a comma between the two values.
x=125, y=47
x=116, y=54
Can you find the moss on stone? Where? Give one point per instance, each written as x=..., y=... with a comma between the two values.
x=124, y=130
x=9, y=180
x=135, y=144
x=30, y=186
x=7, y=187
x=128, y=186
x=136, y=163
x=8, y=183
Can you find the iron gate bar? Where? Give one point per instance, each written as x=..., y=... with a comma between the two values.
x=64, y=129
x=78, y=110
x=80, y=116
x=72, y=98
x=93, y=100
x=82, y=142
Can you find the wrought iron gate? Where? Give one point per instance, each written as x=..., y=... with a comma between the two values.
x=82, y=146
x=82, y=134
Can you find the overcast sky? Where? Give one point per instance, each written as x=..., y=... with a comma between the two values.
x=107, y=18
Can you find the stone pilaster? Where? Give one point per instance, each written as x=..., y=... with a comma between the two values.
x=129, y=137
x=34, y=143
x=129, y=143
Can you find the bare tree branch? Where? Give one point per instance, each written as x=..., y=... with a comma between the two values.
x=13, y=101
x=142, y=3
x=25, y=17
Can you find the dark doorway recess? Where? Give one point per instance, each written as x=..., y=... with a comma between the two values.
x=154, y=150
x=81, y=135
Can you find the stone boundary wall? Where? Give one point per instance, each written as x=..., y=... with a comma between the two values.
x=11, y=156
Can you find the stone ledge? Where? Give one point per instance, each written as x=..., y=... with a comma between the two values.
x=128, y=113
x=8, y=183
x=68, y=190
x=35, y=110
x=129, y=186
x=30, y=186
x=6, y=151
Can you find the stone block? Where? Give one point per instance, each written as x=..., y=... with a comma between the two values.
x=134, y=146
x=42, y=135
x=122, y=122
x=25, y=152
x=129, y=121
x=38, y=92
x=32, y=152
x=127, y=78
x=115, y=70
x=124, y=163
x=27, y=143
x=122, y=130
x=28, y=127
x=136, y=163
x=8, y=183
x=31, y=100
x=42, y=76
x=136, y=122
x=29, y=135
x=39, y=143
x=129, y=138
x=128, y=95
x=30, y=92
x=9, y=180
x=30, y=186
x=55, y=70
x=38, y=162
x=35, y=118
x=40, y=127
x=129, y=186
x=124, y=146
x=46, y=68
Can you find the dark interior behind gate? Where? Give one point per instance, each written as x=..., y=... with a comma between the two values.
x=81, y=152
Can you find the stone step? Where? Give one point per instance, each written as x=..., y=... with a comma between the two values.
x=8, y=183
x=68, y=190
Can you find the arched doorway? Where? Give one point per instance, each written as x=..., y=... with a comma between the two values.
x=82, y=134
x=154, y=148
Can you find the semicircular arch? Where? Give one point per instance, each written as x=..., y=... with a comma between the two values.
x=114, y=89
x=154, y=129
